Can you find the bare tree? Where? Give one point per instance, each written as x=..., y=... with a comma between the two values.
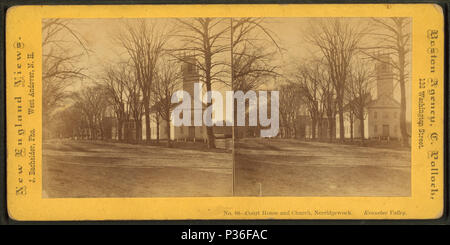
x=62, y=49
x=318, y=74
x=252, y=53
x=358, y=91
x=338, y=42
x=156, y=118
x=68, y=122
x=206, y=39
x=328, y=98
x=92, y=102
x=166, y=83
x=135, y=102
x=144, y=42
x=394, y=38
x=309, y=81
x=290, y=109
x=114, y=82
x=285, y=109
x=81, y=101
x=253, y=46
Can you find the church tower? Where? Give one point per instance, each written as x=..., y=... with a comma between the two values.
x=190, y=77
x=385, y=77
x=384, y=112
x=190, y=74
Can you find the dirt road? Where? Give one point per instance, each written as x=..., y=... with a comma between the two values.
x=283, y=167
x=101, y=169
x=276, y=167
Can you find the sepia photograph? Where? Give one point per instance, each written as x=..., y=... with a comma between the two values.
x=222, y=107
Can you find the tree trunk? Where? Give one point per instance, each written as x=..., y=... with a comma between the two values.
x=102, y=135
x=341, y=121
x=333, y=128
x=157, y=129
x=119, y=130
x=169, y=142
x=148, y=134
x=92, y=134
x=209, y=129
x=405, y=139
x=138, y=125
x=124, y=132
x=127, y=132
x=361, y=125
x=351, y=127
x=102, y=131
x=403, y=116
x=313, y=128
x=330, y=127
x=319, y=128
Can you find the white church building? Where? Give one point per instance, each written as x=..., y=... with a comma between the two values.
x=382, y=119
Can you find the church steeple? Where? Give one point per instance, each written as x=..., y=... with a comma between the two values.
x=385, y=77
x=190, y=74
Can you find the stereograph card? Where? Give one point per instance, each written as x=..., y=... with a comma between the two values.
x=225, y=112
